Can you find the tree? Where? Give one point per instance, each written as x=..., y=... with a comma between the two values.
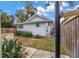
x=20, y=16
x=30, y=10
x=23, y=15
x=6, y=20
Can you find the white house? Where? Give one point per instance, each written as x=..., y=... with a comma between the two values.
x=37, y=24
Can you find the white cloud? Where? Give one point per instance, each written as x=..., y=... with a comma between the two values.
x=61, y=8
x=44, y=14
x=73, y=8
x=41, y=11
x=76, y=7
x=23, y=8
x=51, y=7
x=69, y=9
x=65, y=4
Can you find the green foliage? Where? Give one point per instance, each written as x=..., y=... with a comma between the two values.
x=20, y=15
x=29, y=10
x=11, y=49
x=23, y=33
x=38, y=36
x=6, y=20
x=18, y=33
x=63, y=51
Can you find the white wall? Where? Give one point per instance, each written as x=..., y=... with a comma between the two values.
x=41, y=30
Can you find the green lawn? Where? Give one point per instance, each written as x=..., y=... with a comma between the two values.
x=42, y=43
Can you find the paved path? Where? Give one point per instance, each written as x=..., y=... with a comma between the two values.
x=36, y=53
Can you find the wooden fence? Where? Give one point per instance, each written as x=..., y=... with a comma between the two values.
x=70, y=36
x=8, y=30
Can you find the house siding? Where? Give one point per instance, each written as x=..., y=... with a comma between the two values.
x=41, y=30
x=30, y=25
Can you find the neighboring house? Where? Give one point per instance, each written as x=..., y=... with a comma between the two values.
x=38, y=25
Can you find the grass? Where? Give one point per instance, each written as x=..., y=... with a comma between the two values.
x=42, y=43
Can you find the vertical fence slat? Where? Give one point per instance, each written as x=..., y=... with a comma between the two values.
x=70, y=36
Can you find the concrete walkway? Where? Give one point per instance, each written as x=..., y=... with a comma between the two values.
x=36, y=53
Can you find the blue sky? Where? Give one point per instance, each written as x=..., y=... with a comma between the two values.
x=11, y=7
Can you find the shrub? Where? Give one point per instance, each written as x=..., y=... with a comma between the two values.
x=17, y=33
x=38, y=36
x=28, y=34
x=11, y=49
x=23, y=33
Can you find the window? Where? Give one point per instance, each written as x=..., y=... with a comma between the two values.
x=37, y=25
x=47, y=30
x=20, y=26
x=48, y=23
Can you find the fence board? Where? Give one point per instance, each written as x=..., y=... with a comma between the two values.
x=70, y=37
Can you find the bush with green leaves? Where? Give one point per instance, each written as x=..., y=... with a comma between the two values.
x=18, y=33
x=38, y=36
x=11, y=49
x=24, y=33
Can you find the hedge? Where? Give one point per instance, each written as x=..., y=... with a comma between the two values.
x=23, y=33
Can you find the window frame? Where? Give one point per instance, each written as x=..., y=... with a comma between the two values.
x=37, y=25
x=20, y=26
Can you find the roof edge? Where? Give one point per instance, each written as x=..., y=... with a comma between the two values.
x=32, y=17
